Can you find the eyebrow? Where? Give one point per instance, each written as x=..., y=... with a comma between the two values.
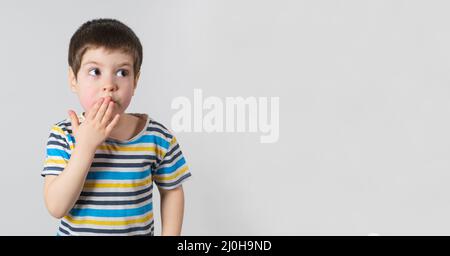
x=91, y=62
x=124, y=64
x=98, y=64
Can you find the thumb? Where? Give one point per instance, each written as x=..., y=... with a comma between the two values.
x=74, y=120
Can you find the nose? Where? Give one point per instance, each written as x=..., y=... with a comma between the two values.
x=109, y=86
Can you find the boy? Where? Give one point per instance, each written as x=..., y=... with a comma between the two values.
x=101, y=164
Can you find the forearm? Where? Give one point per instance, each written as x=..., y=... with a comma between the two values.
x=172, y=210
x=63, y=191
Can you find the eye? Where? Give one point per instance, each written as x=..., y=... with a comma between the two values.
x=94, y=72
x=122, y=72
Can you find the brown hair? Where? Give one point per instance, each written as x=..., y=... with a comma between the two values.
x=108, y=33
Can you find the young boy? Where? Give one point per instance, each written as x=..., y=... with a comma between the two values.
x=101, y=164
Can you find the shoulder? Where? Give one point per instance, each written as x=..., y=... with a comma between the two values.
x=63, y=127
x=157, y=128
x=163, y=137
x=62, y=131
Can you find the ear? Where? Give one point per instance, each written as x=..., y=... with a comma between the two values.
x=136, y=79
x=72, y=80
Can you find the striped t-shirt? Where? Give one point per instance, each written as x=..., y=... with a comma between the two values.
x=117, y=195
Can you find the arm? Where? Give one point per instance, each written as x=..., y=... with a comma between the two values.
x=62, y=191
x=172, y=210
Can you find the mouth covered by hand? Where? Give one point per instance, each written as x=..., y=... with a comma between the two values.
x=116, y=101
x=111, y=99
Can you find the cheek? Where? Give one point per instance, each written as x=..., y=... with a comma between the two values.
x=87, y=99
x=126, y=99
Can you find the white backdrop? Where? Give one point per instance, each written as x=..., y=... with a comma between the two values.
x=364, y=139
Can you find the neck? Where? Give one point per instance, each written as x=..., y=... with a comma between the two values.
x=125, y=121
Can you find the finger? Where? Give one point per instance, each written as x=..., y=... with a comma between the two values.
x=113, y=123
x=108, y=113
x=101, y=111
x=94, y=109
x=74, y=120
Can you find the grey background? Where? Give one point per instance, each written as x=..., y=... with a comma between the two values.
x=364, y=110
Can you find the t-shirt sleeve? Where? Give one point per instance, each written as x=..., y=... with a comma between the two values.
x=57, y=152
x=172, y=170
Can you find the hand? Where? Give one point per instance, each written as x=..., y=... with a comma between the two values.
x=97, y=124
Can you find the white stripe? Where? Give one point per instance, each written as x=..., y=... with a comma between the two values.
x=108, y=227
x=112, y=207
x=116, y=198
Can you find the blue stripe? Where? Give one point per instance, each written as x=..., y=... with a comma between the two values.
x=172, y=168
x=58, y=152
x=71, y=138
x=111, y=212
x=175, y=183
x=101, y=175
x=151, y=139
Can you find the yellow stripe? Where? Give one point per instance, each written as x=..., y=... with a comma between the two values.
x=173, y=176
x=174, y=140
x=60, y=132
x=126, y=148
x=163, y=153
x=55, y=161
x=159, y=151
x=117, y=185
x=109, y=222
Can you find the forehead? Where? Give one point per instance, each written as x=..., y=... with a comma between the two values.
x=103, y=56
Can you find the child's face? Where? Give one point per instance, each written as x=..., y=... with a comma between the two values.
x=104, y=73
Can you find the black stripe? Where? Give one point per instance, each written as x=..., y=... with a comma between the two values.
x=45, y=174
x=176, y=147
x=108, y=231
x=155, y=129
x=53, y=168
x=187, y=175
x=124, y=202
x=57, y=143
x=131, y=193
x=62, y=122
x=158, y=124
x=64, y=231
x=140, y=157
x=65, y=125
x=104, y=164
x=58, y=137
x=168, y=161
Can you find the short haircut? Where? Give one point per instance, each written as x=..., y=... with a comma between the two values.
x=108, y=33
